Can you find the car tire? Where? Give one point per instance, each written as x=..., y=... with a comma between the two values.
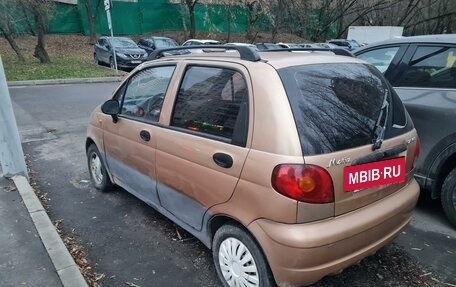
x=448, y=197
x=95, y=59
x=248, y=259
x=98, y=173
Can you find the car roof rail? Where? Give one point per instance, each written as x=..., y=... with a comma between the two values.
x=245, y=52
x=336, y=51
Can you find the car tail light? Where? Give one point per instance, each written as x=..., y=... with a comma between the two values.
x=303, y=182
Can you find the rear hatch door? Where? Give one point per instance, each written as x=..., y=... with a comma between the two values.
x=351, y=122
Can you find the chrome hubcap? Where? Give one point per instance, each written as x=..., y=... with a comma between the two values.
x=95, y=169
x=237, y=264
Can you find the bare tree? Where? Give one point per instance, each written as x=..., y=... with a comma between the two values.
x=416, y=16
x=92, y=18
x=184, y=17
x=7, y=23
x=276, y=13
x=254, y=10
x=190, y=4
x=41, y=10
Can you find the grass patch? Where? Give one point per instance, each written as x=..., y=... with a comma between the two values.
x=62, y=67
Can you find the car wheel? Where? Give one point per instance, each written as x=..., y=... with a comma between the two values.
x=448, y=196
x=98, y=174
x=238, y=259
x=95, y=59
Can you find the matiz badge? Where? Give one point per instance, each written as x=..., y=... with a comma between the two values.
x=334, y=161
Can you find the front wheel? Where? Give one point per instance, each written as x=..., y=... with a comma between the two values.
x=448, y=197
x=98, y=173
x=238, y=259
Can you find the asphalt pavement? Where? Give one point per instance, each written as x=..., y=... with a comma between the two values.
x=128, y=242
x=23, y=258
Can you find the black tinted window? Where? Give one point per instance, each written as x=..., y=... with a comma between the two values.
x=433, y=67
x=335, y=106
x=210, y=100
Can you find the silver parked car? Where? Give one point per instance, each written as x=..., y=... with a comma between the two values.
x=422, y=69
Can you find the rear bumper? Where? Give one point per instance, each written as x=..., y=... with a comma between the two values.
x=301, y=254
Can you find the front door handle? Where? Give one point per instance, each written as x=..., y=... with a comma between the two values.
x=222, y=159
x=144, y=135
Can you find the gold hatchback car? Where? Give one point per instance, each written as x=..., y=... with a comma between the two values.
x=289, y=164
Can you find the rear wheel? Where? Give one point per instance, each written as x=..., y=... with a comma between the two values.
x=448, y=196
x=238, y=259
x=95, y=59
x=97, y=170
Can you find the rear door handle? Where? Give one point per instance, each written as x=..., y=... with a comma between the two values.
x=144, y=135
x=222, y=159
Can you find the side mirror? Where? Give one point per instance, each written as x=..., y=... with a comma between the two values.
x=111, y=107
x=108, y=47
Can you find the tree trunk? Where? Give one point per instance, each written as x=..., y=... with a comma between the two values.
x=40, y=48
x=184, y=18
x=250, y=20
x=9, y=37
x=90, y=18
x=191, y=12
x=229, y=16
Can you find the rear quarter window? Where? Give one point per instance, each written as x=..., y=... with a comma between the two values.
x=336, y=106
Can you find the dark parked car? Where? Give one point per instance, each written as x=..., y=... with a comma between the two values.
x=350, y=45
x=150, y=44
x=128, y=54
x=422, y=70
x=267, y=46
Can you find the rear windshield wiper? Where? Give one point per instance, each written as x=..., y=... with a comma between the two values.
x=379, y=129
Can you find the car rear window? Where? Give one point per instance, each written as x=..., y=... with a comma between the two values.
x=336, y=106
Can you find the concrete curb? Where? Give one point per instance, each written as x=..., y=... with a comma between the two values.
x=66, y=268
x=64, y=81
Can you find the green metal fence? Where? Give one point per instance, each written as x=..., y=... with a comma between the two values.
x=144, y=16
x=135, y=17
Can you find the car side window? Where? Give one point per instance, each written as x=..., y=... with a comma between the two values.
x=431, y=66
x=380, y=58
x=145, y=92
x=212, y=101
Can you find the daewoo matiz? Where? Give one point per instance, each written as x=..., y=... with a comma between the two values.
x=289, y=165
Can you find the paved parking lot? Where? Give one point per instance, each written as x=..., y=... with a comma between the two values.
x=129, y=242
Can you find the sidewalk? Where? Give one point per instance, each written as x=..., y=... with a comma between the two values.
x=31, y=251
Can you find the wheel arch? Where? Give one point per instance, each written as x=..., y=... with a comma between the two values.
x=219, y=220
x=441, y=167
x=88, y=143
